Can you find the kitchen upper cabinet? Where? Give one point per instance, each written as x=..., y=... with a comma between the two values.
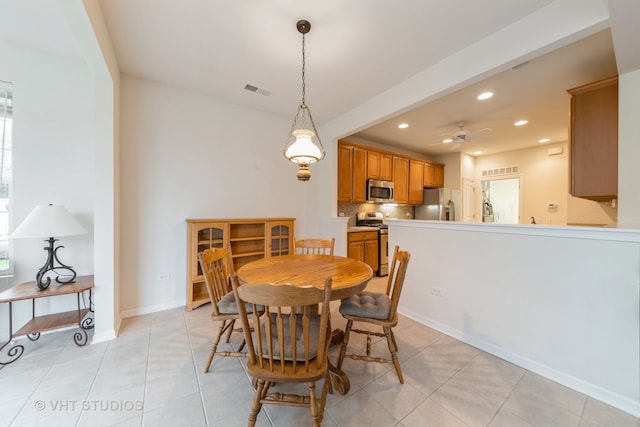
x=401, y=180
x=345, y=173
x=359, y=175
x=357, y=164
x=433, y=175
x=379, y=165
x=352, y=174
x=416, y=181
x=594, y=140
x=438, y=180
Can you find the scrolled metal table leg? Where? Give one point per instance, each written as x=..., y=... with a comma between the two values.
x=13, y=352
x=80, y=338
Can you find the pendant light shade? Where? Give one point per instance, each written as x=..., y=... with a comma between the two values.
x=303, y=145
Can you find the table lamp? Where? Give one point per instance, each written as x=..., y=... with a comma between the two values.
x=50, y=221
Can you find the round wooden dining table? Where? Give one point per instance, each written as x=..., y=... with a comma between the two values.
x=349, y=276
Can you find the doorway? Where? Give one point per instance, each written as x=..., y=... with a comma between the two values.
x=501, y=201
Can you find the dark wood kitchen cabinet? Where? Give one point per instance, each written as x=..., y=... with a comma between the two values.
x=594, y=140
x=363, y=246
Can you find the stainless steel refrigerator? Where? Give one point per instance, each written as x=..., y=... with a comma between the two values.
x=440, y=204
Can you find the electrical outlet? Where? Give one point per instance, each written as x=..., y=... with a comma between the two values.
x=165, y=276
x=436, y=291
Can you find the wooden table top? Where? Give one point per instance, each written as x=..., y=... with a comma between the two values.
x=29, y=290
x=349, y=276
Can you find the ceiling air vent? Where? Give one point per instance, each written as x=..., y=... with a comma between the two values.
x=509, y=170
x=256, y=89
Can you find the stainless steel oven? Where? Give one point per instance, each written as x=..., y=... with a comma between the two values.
x=383, y=250
x=375, y=219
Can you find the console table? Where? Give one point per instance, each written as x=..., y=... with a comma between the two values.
x=37, y=324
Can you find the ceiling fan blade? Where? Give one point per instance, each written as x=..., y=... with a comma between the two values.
x=438, y=143
x=479, y=132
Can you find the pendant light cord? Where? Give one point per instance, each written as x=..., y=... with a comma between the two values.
x=303, y=68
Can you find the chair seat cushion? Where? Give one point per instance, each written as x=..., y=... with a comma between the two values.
x=314, y=323
x=367, y=304
x=227, y=305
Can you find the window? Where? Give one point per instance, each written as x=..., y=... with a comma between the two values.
x=6, y=124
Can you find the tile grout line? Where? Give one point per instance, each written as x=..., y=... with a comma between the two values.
x=93, y=381
x=195, y=372
x=146, y=373
x=36, y=387
x=507, y=398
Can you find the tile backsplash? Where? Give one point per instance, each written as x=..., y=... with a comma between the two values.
x=350, y=210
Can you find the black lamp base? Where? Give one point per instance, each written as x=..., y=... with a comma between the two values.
x=50, y=266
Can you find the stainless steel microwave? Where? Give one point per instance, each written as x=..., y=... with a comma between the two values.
x=379, y=191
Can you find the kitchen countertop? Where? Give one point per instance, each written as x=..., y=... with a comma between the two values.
x=361, y=228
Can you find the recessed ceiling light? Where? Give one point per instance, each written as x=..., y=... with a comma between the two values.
x=543, y=140
x=485, y=95
x=446, y=141
x=477, y=153
x=403, y=125
x=521, y=122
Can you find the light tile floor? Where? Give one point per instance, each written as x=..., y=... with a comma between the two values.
x=152, y=375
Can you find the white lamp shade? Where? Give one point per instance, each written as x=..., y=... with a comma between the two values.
x=46, y=221
x=303, y=150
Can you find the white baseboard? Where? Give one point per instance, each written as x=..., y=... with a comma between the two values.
x=103, y=336
x=621, y=402
x=150, y=309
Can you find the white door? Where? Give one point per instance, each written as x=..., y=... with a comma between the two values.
x=503, y=198
x=468, y=200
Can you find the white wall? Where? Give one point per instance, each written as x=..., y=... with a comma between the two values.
x=534, y=295
x=543, y=179
x=629, y=149
x=185, y=155
x=53, y=159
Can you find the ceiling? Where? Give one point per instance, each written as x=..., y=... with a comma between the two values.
x=535, y=91
x=355, y=51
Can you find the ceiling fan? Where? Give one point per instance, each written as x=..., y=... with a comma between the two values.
x=461, y=136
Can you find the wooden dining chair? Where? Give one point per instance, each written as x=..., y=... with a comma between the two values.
x=276, y=358
x=223, y=302
x=379, y=309
x=315, y=246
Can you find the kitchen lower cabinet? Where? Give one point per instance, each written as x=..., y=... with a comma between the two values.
x=249, y=240
x=363, y=246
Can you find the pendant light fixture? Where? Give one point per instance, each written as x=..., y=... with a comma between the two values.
x=303, y=145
